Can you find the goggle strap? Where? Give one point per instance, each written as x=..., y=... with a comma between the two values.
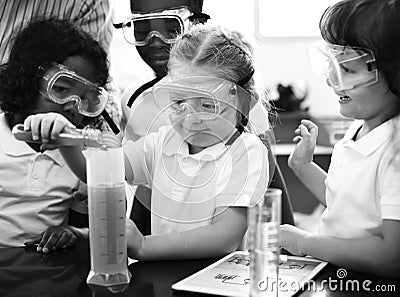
x=232, y=139
x=371, y=65
x=245, y=79
x=143, y=88
x=110, y=122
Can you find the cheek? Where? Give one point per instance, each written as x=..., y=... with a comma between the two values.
x=45, y=105
x=230, y=118
x=222, y=127
x=143, y=52
x=175, y=119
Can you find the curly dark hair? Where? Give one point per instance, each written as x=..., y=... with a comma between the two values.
x=371, y=24
x=39, y=43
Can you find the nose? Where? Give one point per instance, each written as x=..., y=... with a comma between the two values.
x=71, y=107
x=154, y=39
x=156, y=42
x=192, y=118
x=328, y=82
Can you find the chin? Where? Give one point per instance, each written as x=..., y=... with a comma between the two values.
x=159, y=66
x=347, y=114
x=202, y=140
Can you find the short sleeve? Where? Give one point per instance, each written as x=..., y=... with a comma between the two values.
x=141, y=155
x=390, y=187
x=244, y=180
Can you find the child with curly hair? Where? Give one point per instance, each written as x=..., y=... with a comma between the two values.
x=52, y=66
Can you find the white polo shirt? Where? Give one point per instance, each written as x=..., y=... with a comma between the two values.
x=363, y=183
x=35, y=189
x=187, y=188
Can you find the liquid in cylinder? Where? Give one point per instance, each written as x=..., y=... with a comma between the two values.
x=107, y=235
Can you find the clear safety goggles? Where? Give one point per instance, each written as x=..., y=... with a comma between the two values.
x=205, y=97
x=139, y=29
x=62, y=85
x=343, y=67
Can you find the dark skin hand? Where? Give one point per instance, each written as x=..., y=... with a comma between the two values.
x=54, y=238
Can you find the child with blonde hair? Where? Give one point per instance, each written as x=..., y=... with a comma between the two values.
x=201, y=168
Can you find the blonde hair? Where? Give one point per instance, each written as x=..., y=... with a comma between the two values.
x=226, y=52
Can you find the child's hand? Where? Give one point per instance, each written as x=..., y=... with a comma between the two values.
x=46, y=126
x=306, y=140
x=134, y=239
x=81, y=194
x=290, y=238
x=53, y=238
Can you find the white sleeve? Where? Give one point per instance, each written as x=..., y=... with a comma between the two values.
x=389, y=176
x=141, y=156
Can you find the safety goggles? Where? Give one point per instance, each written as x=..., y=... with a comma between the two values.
x=343, y=67
x=206, y=97
x=62, y=85
x=139, y=29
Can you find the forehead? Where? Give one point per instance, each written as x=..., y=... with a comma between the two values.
x=178, y=70
x=145, y=6
x=81, y=66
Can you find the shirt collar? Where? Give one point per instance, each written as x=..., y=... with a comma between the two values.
x=373, y=140
x=174, y=144
x=16, y=148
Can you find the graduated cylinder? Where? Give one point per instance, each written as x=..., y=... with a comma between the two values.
x=108, y=244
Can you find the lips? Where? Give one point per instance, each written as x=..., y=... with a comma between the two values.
x=159, y=54
x=159, y=57
x=195, y=130
x=344, y=99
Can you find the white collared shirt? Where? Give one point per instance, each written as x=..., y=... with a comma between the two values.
x=35, y=189
x=362, y=187
x=188, y=188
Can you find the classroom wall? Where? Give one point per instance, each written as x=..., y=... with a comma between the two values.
x=285, y=59
x=277, y=58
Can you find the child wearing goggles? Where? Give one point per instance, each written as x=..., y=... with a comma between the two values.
x=201, y=168
x=152, y=28
x=360, y=228
x=61, y=85
x=53, y=67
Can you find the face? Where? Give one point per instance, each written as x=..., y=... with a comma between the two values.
x=197, y=131
x=374, y=103
x=156, y=52
x=80, y=66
